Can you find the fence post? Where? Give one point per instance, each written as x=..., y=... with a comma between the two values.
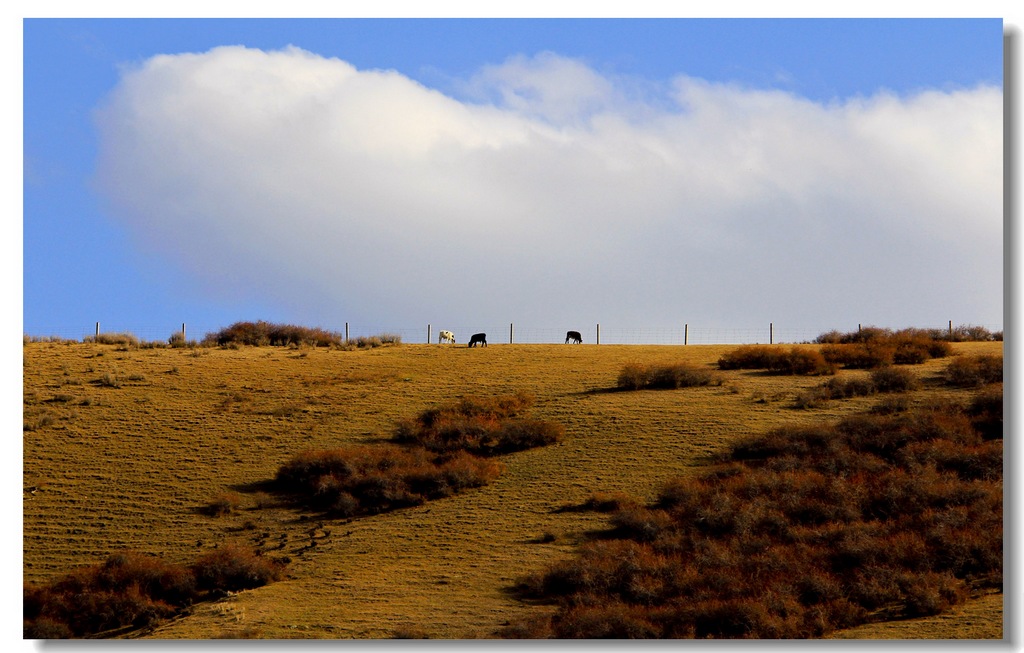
x=686, y=333
x=510, y=325
x=346, y=332
x=428, y=334
x=598, y=333
x=97, y=331
x=183, y=332
x=951, y=329
x=771, y=333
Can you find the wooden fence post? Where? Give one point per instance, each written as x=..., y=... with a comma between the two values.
x=598, y=333
x=686, y=333
x=428, y=334
x=510, y=332
x=97, y=331
x=771, y=333
x=346, y=332
x=183, y=333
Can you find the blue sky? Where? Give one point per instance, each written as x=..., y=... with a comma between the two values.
x=469, y=173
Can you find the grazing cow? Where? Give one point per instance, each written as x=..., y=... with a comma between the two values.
x=446, y=336
x=478, y=339
x=573, y=336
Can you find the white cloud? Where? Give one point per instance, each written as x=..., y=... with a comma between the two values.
x=555, y=195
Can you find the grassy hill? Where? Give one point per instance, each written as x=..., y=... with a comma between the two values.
x=129, y=448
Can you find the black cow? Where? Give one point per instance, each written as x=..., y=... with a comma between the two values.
x=478, y=339
x=573, y=336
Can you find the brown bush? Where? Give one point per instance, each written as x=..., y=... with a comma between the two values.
x=774, y=358
x=262, y=334
x=749, y=357
x=123, y=339
x=986, y=412
x=633, y=376
x=223, y=504
x=865, y=355
x=131, y=590
x=893, y=379
x=974, y=371
x=481, y=426
x=232, y=568
x=872, y=347
x=668, y=376
x=795, y=534
x=371, y=479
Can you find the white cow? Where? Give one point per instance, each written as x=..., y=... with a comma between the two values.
x=446, y=336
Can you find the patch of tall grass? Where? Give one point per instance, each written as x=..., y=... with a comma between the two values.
x=123, y=339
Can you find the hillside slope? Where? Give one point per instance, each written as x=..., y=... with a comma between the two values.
x=123, y=448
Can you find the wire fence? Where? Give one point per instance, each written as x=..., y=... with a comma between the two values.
x=684, y=334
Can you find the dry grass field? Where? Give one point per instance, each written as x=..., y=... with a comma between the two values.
x=125, y=447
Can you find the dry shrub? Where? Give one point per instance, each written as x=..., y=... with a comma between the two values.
x=481, y=426
x=123, y=339
x=974, y=371
x=615, y=621
x=986, y=412
x=872, y=347
x=261, y=334
x=370, y=342
x=609, y=501
x=639, y=523
x=223, y=504
x=795, y=360
x=749, y=357
x=865, y=355
x=131, y=590
x=795, y=534
x=663, y=376
x=231, y=568
x=633, y=376
x=371, y=479
x=893, y=379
